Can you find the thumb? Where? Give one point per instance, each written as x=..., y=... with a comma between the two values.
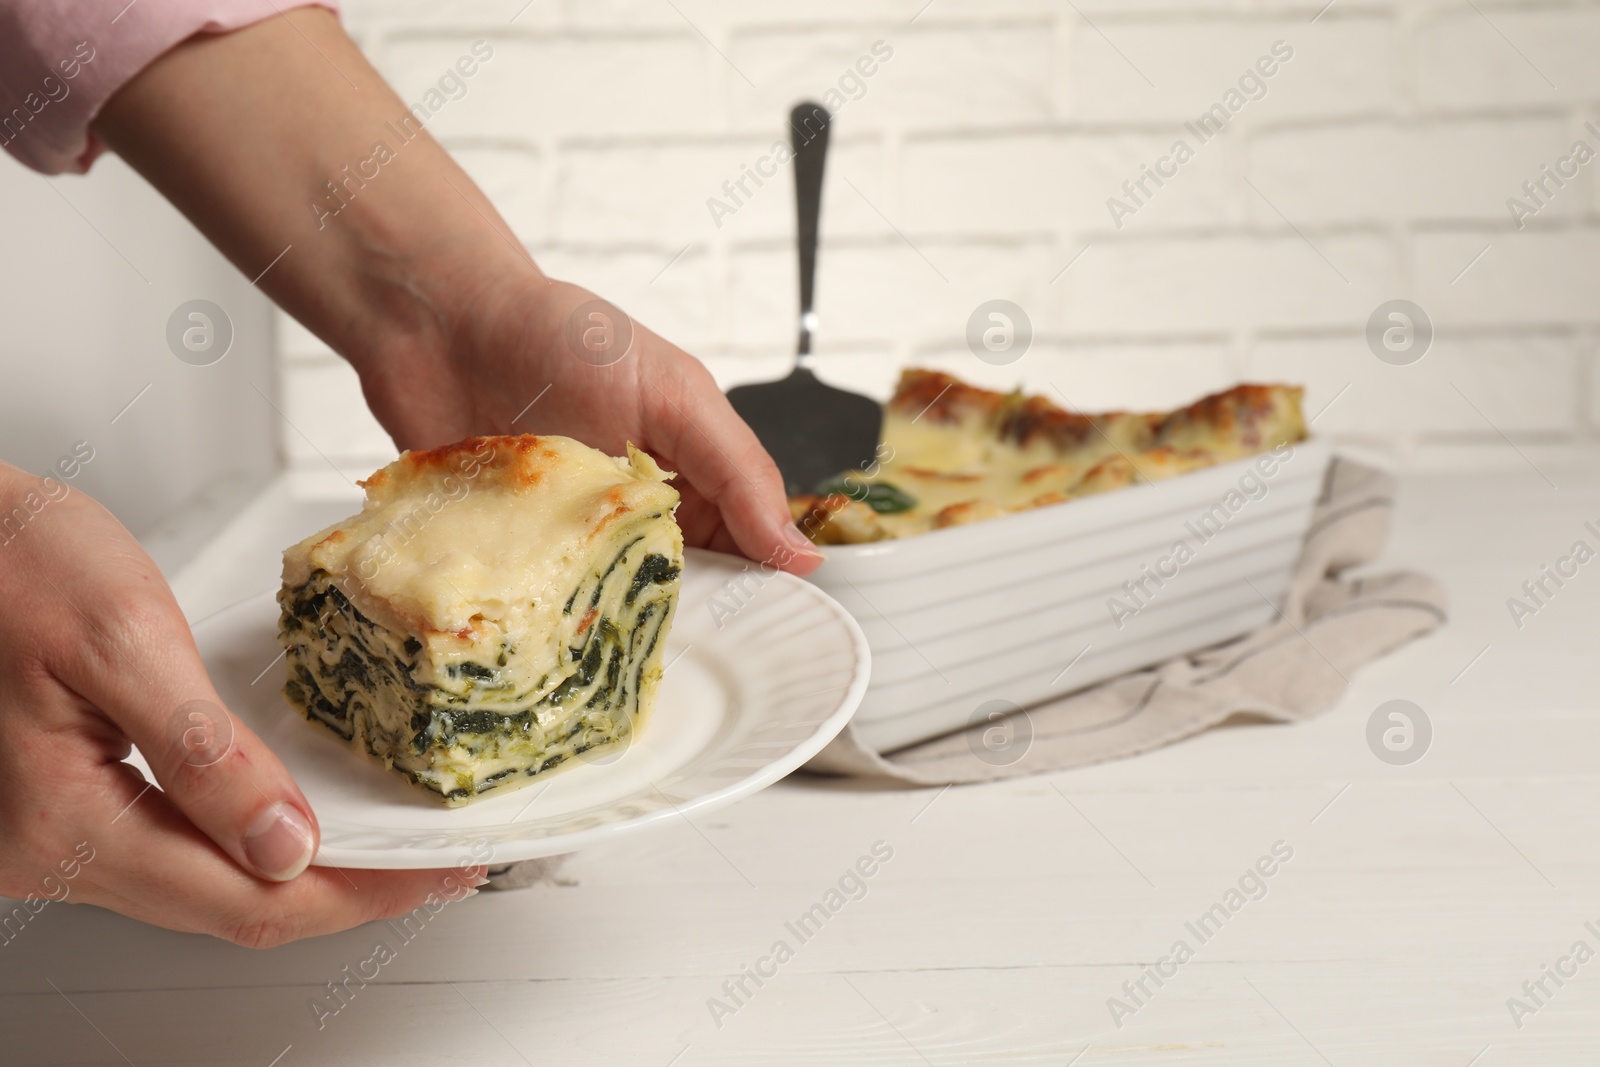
x=212, y=766
x=723, y=459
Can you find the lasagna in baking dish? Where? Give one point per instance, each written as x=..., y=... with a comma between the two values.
x=498, y=606
x=953, y=453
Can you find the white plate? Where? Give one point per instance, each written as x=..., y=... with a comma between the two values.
x=751, y=692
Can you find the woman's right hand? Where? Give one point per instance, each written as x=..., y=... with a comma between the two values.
x=95, y=657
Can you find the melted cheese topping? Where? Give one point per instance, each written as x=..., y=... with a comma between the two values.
x=945, y=465
x=483, y=541
x=965, y=454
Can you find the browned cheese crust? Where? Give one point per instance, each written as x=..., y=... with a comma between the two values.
x=963, y=454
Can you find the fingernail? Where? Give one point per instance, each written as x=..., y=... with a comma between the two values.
x=278, y=842
x=799, y=541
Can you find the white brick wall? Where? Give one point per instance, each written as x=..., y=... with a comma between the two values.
x=1376, y=165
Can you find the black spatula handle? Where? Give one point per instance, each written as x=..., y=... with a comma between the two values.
x=808, y=134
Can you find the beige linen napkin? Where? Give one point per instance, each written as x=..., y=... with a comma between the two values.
x=1294, y=668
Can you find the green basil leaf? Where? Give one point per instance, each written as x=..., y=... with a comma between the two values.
x=887, y=499
x=881, y=497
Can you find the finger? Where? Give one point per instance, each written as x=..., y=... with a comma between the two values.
x=139, y=667
x=702, y=523
x=713, y=448
x=145, y=859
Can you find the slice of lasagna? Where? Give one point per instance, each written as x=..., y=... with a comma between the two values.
x=498, y=606
x=953, y=453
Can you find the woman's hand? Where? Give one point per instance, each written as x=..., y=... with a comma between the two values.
x=530, y=355
x=95, y=657
x=261, y=138
x=415, y=278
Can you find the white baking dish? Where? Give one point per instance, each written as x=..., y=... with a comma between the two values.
x=998, y=609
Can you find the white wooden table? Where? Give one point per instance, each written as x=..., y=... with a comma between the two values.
x=1418, y=899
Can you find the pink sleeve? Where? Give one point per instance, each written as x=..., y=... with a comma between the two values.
x=60, y=63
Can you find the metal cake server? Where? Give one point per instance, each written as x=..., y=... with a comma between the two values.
x=812, y=430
